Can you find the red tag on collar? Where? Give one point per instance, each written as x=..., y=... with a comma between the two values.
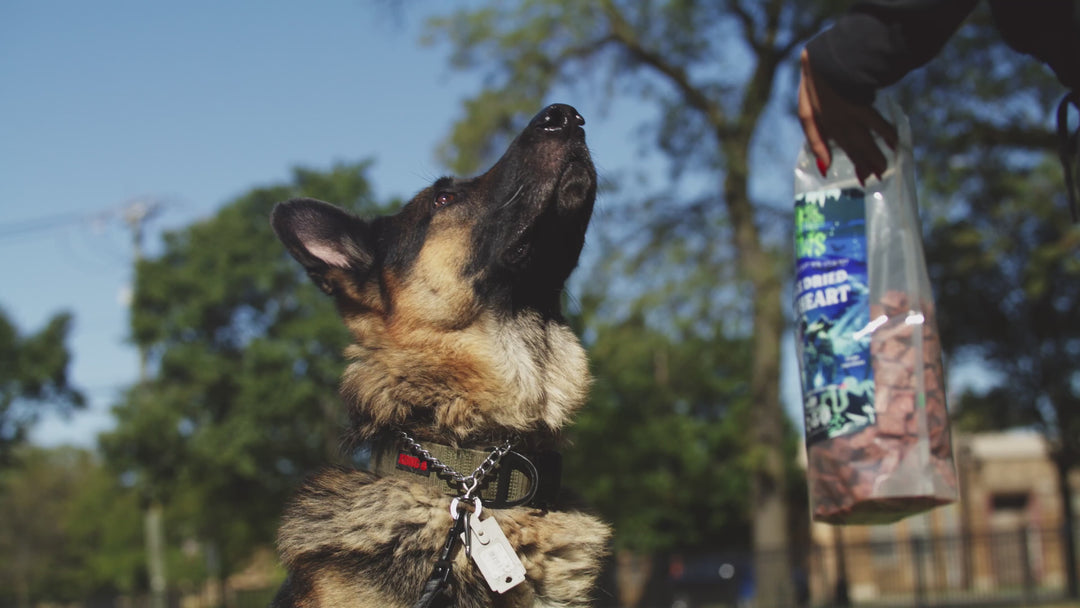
x=413, y=464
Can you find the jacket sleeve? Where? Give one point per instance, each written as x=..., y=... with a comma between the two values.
x=876, y=43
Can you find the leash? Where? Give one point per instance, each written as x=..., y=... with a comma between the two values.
x=463, y=508
x=440, y=576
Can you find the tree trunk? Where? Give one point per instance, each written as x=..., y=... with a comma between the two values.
x=632, y=572
x=22, y=589
x=840, y=593
x=155, y=555
x=1068, y=526
x=770, y=517
x=766, y=420
x=215, y=585
x=772, y=571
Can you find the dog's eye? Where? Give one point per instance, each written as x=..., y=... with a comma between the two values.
x=443, y=199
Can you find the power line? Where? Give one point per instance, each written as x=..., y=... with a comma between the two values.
x=54, y=222
x=43, y=224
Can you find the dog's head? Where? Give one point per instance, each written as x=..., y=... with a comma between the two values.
x=454, y=302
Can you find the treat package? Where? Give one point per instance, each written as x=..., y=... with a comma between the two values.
x=877, y=430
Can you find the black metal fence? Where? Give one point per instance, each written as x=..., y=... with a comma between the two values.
x=1017, y=567
x=1024, y=566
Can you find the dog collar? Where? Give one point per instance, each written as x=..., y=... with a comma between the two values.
x=531, y=479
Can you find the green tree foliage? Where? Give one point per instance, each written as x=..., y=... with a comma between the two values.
x=68, y=531
x=33, y=378
x=1008, y=282
x=1004, y=260
x=245, y=359
x=657, y=450
x=1008, y=285
x=710, y=69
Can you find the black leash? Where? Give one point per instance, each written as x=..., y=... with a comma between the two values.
x=440, y=575
x=433, y=594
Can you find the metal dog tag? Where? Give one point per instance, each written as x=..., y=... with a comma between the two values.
x=493, y=554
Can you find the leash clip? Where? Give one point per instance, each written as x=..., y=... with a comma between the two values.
x=455, y=511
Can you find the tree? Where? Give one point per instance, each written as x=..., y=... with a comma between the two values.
x=711, y=69
x=1008, y=279
x=33, y=378
x=657, y=450
x=245, y=359
x=1004, y=261
x=665, y=416
x=67, y=530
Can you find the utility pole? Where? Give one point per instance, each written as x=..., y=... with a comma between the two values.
x=136, y=214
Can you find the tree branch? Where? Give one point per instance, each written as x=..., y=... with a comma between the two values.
x=748, y=25
x=1011, y=136
x=623, y=33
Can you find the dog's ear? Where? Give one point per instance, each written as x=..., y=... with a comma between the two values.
x=323, y=237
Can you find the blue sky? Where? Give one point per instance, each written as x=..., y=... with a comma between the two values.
x=191, y=104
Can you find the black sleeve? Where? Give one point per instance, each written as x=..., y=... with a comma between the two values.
x=876, y=43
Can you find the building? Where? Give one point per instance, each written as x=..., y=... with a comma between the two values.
x=1005, y=533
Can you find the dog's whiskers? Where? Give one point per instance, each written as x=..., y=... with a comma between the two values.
x=512, y=198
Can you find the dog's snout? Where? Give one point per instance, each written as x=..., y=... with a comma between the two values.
x=557, y=117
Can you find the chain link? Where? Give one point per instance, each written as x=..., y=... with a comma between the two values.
x=468, y=483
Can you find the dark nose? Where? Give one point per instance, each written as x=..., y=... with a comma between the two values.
x=556, y=117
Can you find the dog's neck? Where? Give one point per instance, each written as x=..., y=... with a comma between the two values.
x=503, y=476
x=523, y=375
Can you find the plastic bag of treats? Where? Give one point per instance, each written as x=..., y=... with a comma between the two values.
x=877, y=430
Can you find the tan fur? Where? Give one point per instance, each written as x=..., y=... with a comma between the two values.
x=433, y=296
x=353, y=512
x=480, y=371
x=436, y=354
x=485, y=376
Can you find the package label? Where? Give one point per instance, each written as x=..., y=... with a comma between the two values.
x=832, y=312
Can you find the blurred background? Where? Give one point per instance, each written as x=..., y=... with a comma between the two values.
x=169, y=375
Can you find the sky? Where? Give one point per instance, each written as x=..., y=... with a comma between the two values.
x=186, y=106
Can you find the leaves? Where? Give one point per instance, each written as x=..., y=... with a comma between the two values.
x=68, y=531
x=246, y=356
x=656, y=450
x=33, y=378
x=1008, y=284
x=709, y=71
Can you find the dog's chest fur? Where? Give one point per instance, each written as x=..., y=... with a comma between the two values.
x=352, y=539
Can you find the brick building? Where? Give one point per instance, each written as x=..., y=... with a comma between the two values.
x=1004, y=534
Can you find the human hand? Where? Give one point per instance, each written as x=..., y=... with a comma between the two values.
x=825, y=115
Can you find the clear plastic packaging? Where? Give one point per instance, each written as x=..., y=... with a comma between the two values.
x=877, y=429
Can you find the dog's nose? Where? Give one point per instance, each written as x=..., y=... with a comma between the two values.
x=556, y=117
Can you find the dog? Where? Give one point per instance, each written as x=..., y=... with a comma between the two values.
x=462, y=373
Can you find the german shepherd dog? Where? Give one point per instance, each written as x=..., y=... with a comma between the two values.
x=462, y=373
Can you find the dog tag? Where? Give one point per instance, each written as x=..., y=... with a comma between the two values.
x=493, y=554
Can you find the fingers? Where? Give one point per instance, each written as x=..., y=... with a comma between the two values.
x=876, y=122
x=807, y=112
x=855, y=137
x=825, y=115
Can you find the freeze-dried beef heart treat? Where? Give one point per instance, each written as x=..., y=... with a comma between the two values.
x=899, y=366
x=877, y=429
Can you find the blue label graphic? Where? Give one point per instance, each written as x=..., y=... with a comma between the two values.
x=832, y=311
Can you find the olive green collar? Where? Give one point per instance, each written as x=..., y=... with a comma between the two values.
x=531, y=479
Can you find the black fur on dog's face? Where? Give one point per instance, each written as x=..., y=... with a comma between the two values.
x=454, y=302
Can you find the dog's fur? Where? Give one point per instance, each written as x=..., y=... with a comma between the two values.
x=454, y=305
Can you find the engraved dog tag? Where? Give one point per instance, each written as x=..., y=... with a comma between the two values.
x=493, y=554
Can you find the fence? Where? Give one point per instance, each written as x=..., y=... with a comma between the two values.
x=1020, y=567
x=1017, y=567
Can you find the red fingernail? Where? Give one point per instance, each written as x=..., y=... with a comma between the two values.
x=821, y=166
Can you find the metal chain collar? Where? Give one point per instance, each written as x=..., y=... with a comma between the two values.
x=468, y=483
